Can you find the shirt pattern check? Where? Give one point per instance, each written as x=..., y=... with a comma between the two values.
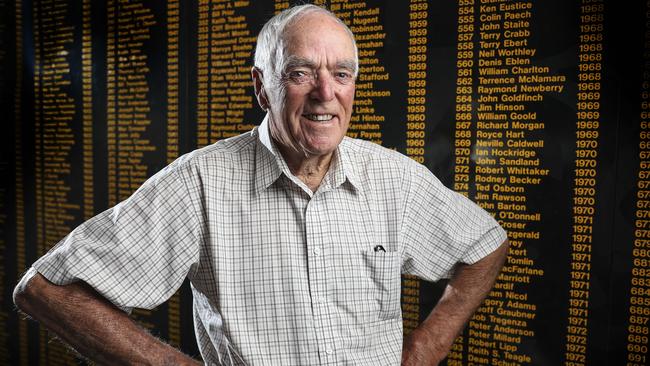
x=280, y=275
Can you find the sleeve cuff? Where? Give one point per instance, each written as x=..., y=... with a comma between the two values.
x=487, y=244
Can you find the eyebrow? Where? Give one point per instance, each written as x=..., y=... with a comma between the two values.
x=294, y=62
x=347, y=64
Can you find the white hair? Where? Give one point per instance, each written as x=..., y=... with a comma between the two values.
x=270, y=55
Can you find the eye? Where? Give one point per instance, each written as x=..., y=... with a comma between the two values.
x=343, y=76
x=299, y=76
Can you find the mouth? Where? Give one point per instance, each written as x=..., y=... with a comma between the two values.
x=318, y=117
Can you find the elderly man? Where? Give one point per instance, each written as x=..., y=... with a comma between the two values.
x=293, y=236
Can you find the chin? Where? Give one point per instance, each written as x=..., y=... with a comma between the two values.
x=322, y=149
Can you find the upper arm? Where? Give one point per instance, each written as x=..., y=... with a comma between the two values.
x=443, y=228
x=135, y=254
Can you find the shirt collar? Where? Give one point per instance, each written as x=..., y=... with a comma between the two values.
x=342, y=168
x=270, y=164
x=267, y=167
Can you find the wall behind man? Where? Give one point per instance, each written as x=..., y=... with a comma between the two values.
x=537, y=111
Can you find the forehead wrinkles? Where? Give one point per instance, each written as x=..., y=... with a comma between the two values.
x=294, y=62
x=316, y=28
x=312, y=57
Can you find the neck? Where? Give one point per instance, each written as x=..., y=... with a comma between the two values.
x=309, y=169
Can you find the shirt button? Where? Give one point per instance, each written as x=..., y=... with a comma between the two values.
x=316, y=251
x=329, y=350
x=320, y=300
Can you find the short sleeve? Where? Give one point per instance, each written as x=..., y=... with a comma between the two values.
x=135, y=254
x=442, y=228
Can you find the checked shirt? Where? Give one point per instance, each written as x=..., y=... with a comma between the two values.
x=280, y=275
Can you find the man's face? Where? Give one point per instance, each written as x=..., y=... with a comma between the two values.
x=318, y=82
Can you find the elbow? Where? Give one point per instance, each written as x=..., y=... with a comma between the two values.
x=21, y=299
x=504, y=247
x=503, y=253
x=23, y=294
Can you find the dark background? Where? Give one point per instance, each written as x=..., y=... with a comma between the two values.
x=554, y=33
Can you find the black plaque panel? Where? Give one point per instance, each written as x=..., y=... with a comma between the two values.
x=539, y=112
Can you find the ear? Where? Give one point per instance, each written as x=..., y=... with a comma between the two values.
x=258, y=84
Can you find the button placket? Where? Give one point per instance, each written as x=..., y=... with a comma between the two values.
x=316, y=261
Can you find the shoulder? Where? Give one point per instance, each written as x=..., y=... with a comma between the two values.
x=372, y=160
x=222, y=153
x=235, y=153
x=227, y=149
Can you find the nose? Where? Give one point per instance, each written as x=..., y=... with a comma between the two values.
x=323, y=89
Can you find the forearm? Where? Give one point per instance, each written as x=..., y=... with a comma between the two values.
x=93, y=326
x=466, y=290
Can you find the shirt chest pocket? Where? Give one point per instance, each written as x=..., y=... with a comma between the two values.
x=384, y=274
